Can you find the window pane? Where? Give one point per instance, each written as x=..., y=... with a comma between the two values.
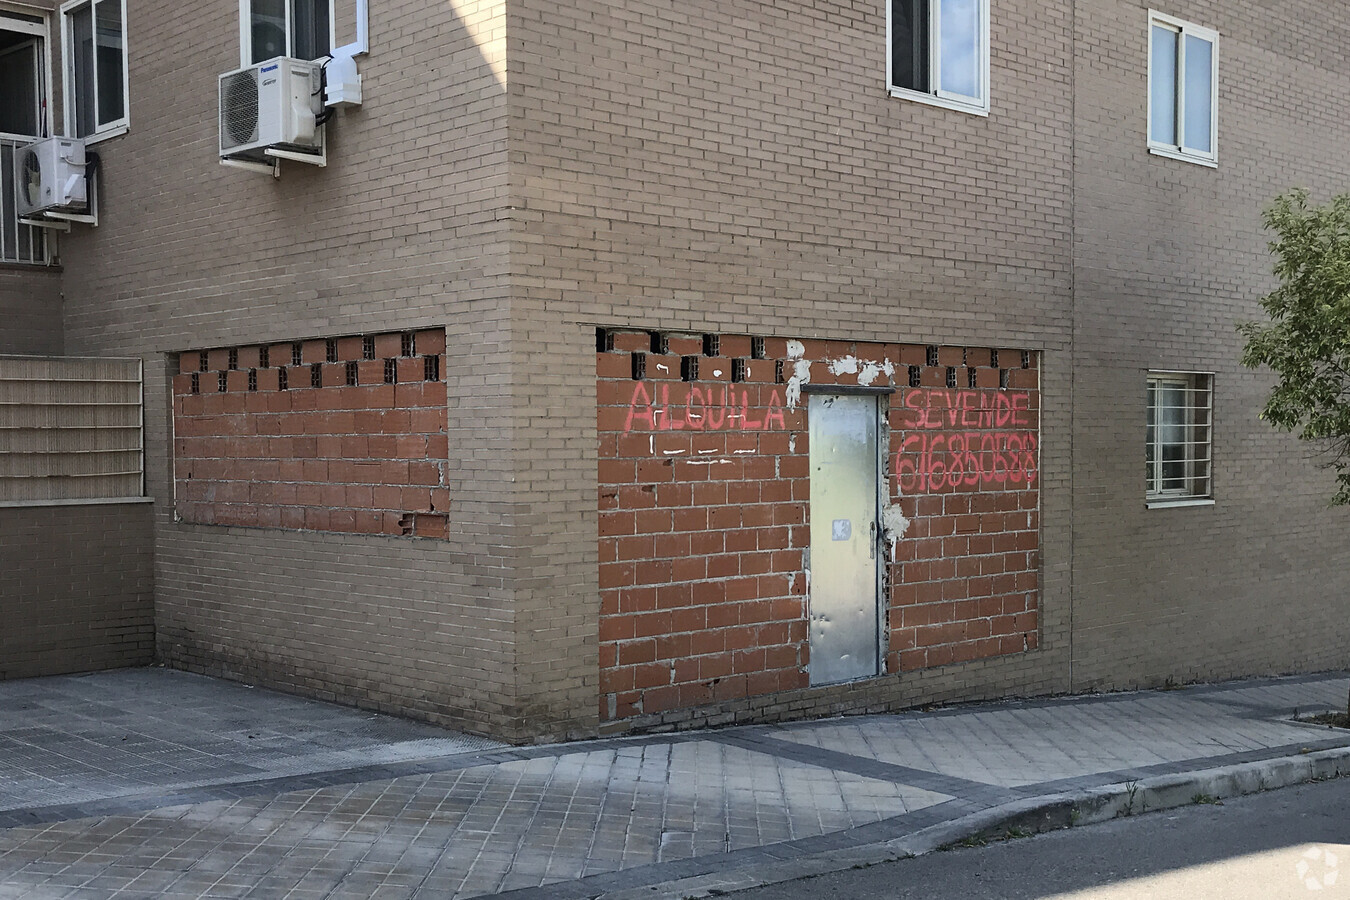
x=267, y=21
x=909, y=44
x=309, y=21
x=959, y=48
x=18, y=90
x=1199, y=93
x=82, y=66
x=111, y=103
x=1162, y=74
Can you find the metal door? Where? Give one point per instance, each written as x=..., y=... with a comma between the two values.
x=845, y=614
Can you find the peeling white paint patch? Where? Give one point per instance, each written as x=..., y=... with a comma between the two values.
x=707, y=451
x=710, y=462
x=792, y=442
x=663, y=367
x=796, y=349
x=847, y=365
x=801, y=374
x=872, y=369
x=743, y=451
x=717, y=373
x=672, y=452
x=893, y=525
x=792, y=581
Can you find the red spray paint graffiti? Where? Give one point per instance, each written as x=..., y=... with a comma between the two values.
x=721, y=408
x=1004, y=454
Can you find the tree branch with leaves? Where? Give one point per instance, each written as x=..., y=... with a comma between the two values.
x=1306, y=341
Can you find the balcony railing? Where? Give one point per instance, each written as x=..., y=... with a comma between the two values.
x=21, y=244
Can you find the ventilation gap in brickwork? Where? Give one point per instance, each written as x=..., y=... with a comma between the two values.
x=757, y=350
x=639, y=366
x=406, y=346
x=297, y=354
x=914, y=376
x=777, y=371
x=660, y=343
x=1026, y=359
x=951, y=376
x=233, y=361
x=932, y=356
x=264, y=357
x=712, y=344
x=738, y=370
x=689, y=368
x=330, y=350
x=252, y=379
x=1003, y=378
x=222, y=381
x=352, y=370
x=316, y=375
x=971, y=380
x=431, y=368
x=390, y=371
x=203, y=361
x=604, y=340
x=283, y=380
x=196, y=383
x=993, y=358
x=368, y=347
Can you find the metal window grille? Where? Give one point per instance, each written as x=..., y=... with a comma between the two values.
x=757, y=348
x=222, y=381
x=932, y=356
x=431, y=368
x=264, y=358
x=252, y=379
x=316, y=375
x=70, y=429
x=283, y=380
x=390, y=371
x=406, y=345
x=22, y=244
x=1177, y=453
x=368, y=347
x=330, y=350
x=352, y=374
x=233, y=359
x=297, y=354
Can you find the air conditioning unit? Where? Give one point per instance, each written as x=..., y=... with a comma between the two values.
x=271, y=105
x=51, y=177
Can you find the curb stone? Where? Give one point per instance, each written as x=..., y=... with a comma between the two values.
x=1034, y=815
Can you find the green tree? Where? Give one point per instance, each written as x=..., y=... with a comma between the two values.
x=1306, y=343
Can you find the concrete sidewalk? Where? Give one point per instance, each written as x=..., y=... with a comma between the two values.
x=153, y=783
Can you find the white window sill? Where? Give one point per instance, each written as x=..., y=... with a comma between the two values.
x=91, y=501
x=99, y=136
x=1162, y=503
x=934, y=100
x=1211, y=162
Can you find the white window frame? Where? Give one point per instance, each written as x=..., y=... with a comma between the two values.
x=246, y=30
x=938, y=97
x=1179, y=150
x=105, y=130
x=1199, y=433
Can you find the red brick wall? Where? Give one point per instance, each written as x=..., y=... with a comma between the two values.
x=704, y=489
x=341, y=434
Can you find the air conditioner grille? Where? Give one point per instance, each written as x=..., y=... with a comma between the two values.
x=30, y=182
x=239, y=108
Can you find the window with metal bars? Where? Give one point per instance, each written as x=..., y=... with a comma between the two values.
x=1179, y=431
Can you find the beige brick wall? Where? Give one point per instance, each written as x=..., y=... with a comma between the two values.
x=731, y=169
x=402, y=230
x=741, y=169
x=1169, y=256
x=30, y=307
x=75, y=589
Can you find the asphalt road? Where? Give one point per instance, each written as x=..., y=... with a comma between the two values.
x=1289, y=843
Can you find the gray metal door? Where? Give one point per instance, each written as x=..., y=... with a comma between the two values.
x=845, y=619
